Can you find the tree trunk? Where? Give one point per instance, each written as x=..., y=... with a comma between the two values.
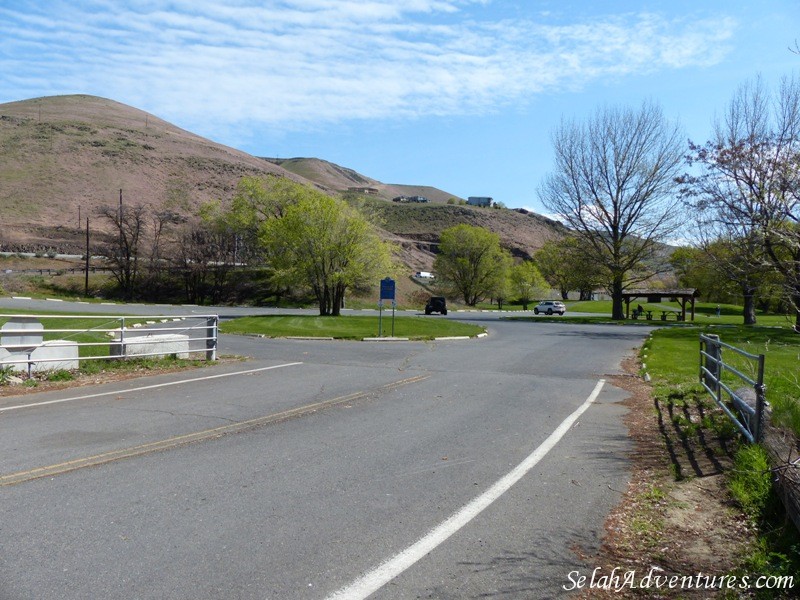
x=337, y=300
x=749, y=310
x=617, y=308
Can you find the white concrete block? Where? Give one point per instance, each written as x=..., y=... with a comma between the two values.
x=153, y=344
x=54, y=355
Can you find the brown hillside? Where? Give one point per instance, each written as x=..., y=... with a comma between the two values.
x=64, y=152
x=325, y=174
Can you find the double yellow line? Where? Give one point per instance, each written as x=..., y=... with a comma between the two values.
x=198, y=436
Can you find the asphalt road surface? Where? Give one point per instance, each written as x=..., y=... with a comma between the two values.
x=321, y=470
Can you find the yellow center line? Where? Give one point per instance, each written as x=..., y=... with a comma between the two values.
x=197, y=436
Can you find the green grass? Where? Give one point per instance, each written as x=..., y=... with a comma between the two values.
x=348, y=327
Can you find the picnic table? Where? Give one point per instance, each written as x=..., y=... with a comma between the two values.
x=665, y=314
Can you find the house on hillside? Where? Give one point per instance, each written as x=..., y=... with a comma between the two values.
x=420, y=199
x=480, y=201
x=364, y=190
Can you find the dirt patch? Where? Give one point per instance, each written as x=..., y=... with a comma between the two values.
x=676, y=517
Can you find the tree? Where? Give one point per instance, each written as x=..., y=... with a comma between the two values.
x=747, y=196
x=206, y=254
x=613, y=185
x=123, y=251
x=695, y=268
x=471, y=261
x=257, y=200
x=527, y=283
x=567, y=266
x=321, y=243
x=502, y=287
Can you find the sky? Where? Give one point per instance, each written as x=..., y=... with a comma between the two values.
x=461, y=95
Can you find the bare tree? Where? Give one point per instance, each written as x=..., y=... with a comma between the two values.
x=613, y=185
x=748, y=194
x=123, y=252
x=205, y=256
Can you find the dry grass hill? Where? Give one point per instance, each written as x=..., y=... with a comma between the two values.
x=65, y=156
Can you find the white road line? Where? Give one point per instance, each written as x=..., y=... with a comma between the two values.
x=391, y=568
x=146, y=387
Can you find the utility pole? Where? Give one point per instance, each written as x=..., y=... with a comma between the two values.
x=86, y=280
x=120, y=222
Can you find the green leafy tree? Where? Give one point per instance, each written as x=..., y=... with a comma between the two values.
x=527, y=283
x=613, y=186
x=255, y=201
x=568, y=266
x=694, y=268
x=471, y=262
x=321, y=243
x=502, y=288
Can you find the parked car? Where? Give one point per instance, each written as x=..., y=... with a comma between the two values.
x=549, y=307
x=436, y=304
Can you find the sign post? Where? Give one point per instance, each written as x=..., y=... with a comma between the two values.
x=387, y=293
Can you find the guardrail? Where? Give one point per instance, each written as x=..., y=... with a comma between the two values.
x=23, y=345
x=749, y=408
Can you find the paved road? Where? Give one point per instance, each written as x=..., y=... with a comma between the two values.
x=298, y=472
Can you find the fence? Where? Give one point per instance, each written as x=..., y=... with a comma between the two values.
x=23, y=345
x=720, y=379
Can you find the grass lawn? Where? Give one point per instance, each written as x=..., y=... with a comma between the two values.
x=348, y=327
x=705, y=312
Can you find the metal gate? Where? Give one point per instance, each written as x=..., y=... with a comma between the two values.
x=744, y=405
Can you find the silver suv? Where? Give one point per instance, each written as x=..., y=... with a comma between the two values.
x=549, y=307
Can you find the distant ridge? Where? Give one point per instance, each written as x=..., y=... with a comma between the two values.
x=342, y=179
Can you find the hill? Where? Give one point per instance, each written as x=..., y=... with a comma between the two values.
x=340, y=179
x=64, y=152
x=65, y=157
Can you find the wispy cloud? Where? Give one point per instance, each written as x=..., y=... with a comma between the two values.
x=295, y=64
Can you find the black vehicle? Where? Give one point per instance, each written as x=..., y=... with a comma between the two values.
x=436, y=304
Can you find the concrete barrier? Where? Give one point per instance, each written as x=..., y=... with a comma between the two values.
x=53, y=355
x=153, y=344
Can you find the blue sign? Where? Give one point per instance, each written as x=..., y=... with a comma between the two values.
x=387, y=289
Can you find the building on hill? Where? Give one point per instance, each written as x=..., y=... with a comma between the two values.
x=420, y=199
x=364, y=190
x=480, y=201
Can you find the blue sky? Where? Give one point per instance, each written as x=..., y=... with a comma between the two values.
x=457, y=94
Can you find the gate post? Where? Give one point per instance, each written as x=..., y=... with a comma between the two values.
x=211, y=337
x=713, y=355
x=761, y=390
